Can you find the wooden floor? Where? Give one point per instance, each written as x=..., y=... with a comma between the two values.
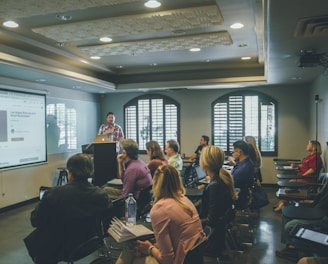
x=15, y=225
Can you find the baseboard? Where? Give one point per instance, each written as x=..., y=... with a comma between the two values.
x=14, y=206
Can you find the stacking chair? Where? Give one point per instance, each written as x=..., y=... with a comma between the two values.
x=195, y=254
x=86, y=248
x=83, y=237
x=144, y=202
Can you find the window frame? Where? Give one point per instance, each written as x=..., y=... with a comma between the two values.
x=261, y=98
x=166, y=101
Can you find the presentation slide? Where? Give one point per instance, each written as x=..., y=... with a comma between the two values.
x=23, y=128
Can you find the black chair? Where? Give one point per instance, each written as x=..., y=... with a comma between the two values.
x=144, y=202
x=90, y=241
x=195, y=254
x=85, y=249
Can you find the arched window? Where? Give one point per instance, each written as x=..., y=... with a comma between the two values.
x=245, y=113
x=152, y=117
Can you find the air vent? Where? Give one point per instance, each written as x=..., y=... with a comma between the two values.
x=312, y=27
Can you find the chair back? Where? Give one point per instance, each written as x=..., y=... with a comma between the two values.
x=144, y=201
x=195, y=254
x=82, y=236
x=85, y=248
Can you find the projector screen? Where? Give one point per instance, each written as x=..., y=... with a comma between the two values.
x=23, y=128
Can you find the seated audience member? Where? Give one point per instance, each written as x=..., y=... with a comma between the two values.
x=202, y=143
x=321, y=202
x=134, y=172
x=243, y=171
x=256, y=157
x=172, y=149
x=156, y=156
x=63, y=211
x=217, y=200
x=175, y=222
x=310, y=165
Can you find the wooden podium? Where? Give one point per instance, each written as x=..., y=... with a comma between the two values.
x=105, y=162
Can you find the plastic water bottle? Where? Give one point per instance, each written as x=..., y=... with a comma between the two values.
x=130, y=210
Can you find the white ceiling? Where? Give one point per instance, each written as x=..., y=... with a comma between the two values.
x=150, y=47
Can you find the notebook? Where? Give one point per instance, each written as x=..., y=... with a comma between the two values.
x=121, y=232
x=312, y=235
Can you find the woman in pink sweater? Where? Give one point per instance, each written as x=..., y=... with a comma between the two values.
x=174, y=220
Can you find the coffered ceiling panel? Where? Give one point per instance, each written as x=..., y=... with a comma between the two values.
x=150, y=48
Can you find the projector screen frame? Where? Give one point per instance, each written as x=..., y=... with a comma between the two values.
x=32, y=149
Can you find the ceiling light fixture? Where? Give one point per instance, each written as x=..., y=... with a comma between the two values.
x=64, y=17
x=245, y=58
x=106, y=39
x=95, y=57
x=194, y=49
x=237, y=26
x=152, y=4
x=10, y=24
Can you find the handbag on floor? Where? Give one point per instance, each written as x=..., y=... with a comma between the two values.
x=259, y=197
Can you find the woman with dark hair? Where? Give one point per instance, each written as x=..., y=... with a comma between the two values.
x=156, y=156
x=255, y=155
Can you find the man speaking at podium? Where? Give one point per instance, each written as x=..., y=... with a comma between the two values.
x=112, y=130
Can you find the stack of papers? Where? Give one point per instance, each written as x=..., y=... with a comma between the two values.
x=121, y=232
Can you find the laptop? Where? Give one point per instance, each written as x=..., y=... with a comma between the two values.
x=42, y=190
x=102, y=138
x=201, y=175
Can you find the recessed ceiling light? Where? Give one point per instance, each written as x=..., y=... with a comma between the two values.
x=178, y=32
x=119, y=67
x=60, y=44
x=10, y=24
x=64, y=17
x=237, y=25
x=245, y=58
x=95, y=57
x=194, y=49
x=152, y=4
x=106, y=39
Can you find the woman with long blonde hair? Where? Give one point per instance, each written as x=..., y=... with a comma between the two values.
x=175, y=222
x=218, y=198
